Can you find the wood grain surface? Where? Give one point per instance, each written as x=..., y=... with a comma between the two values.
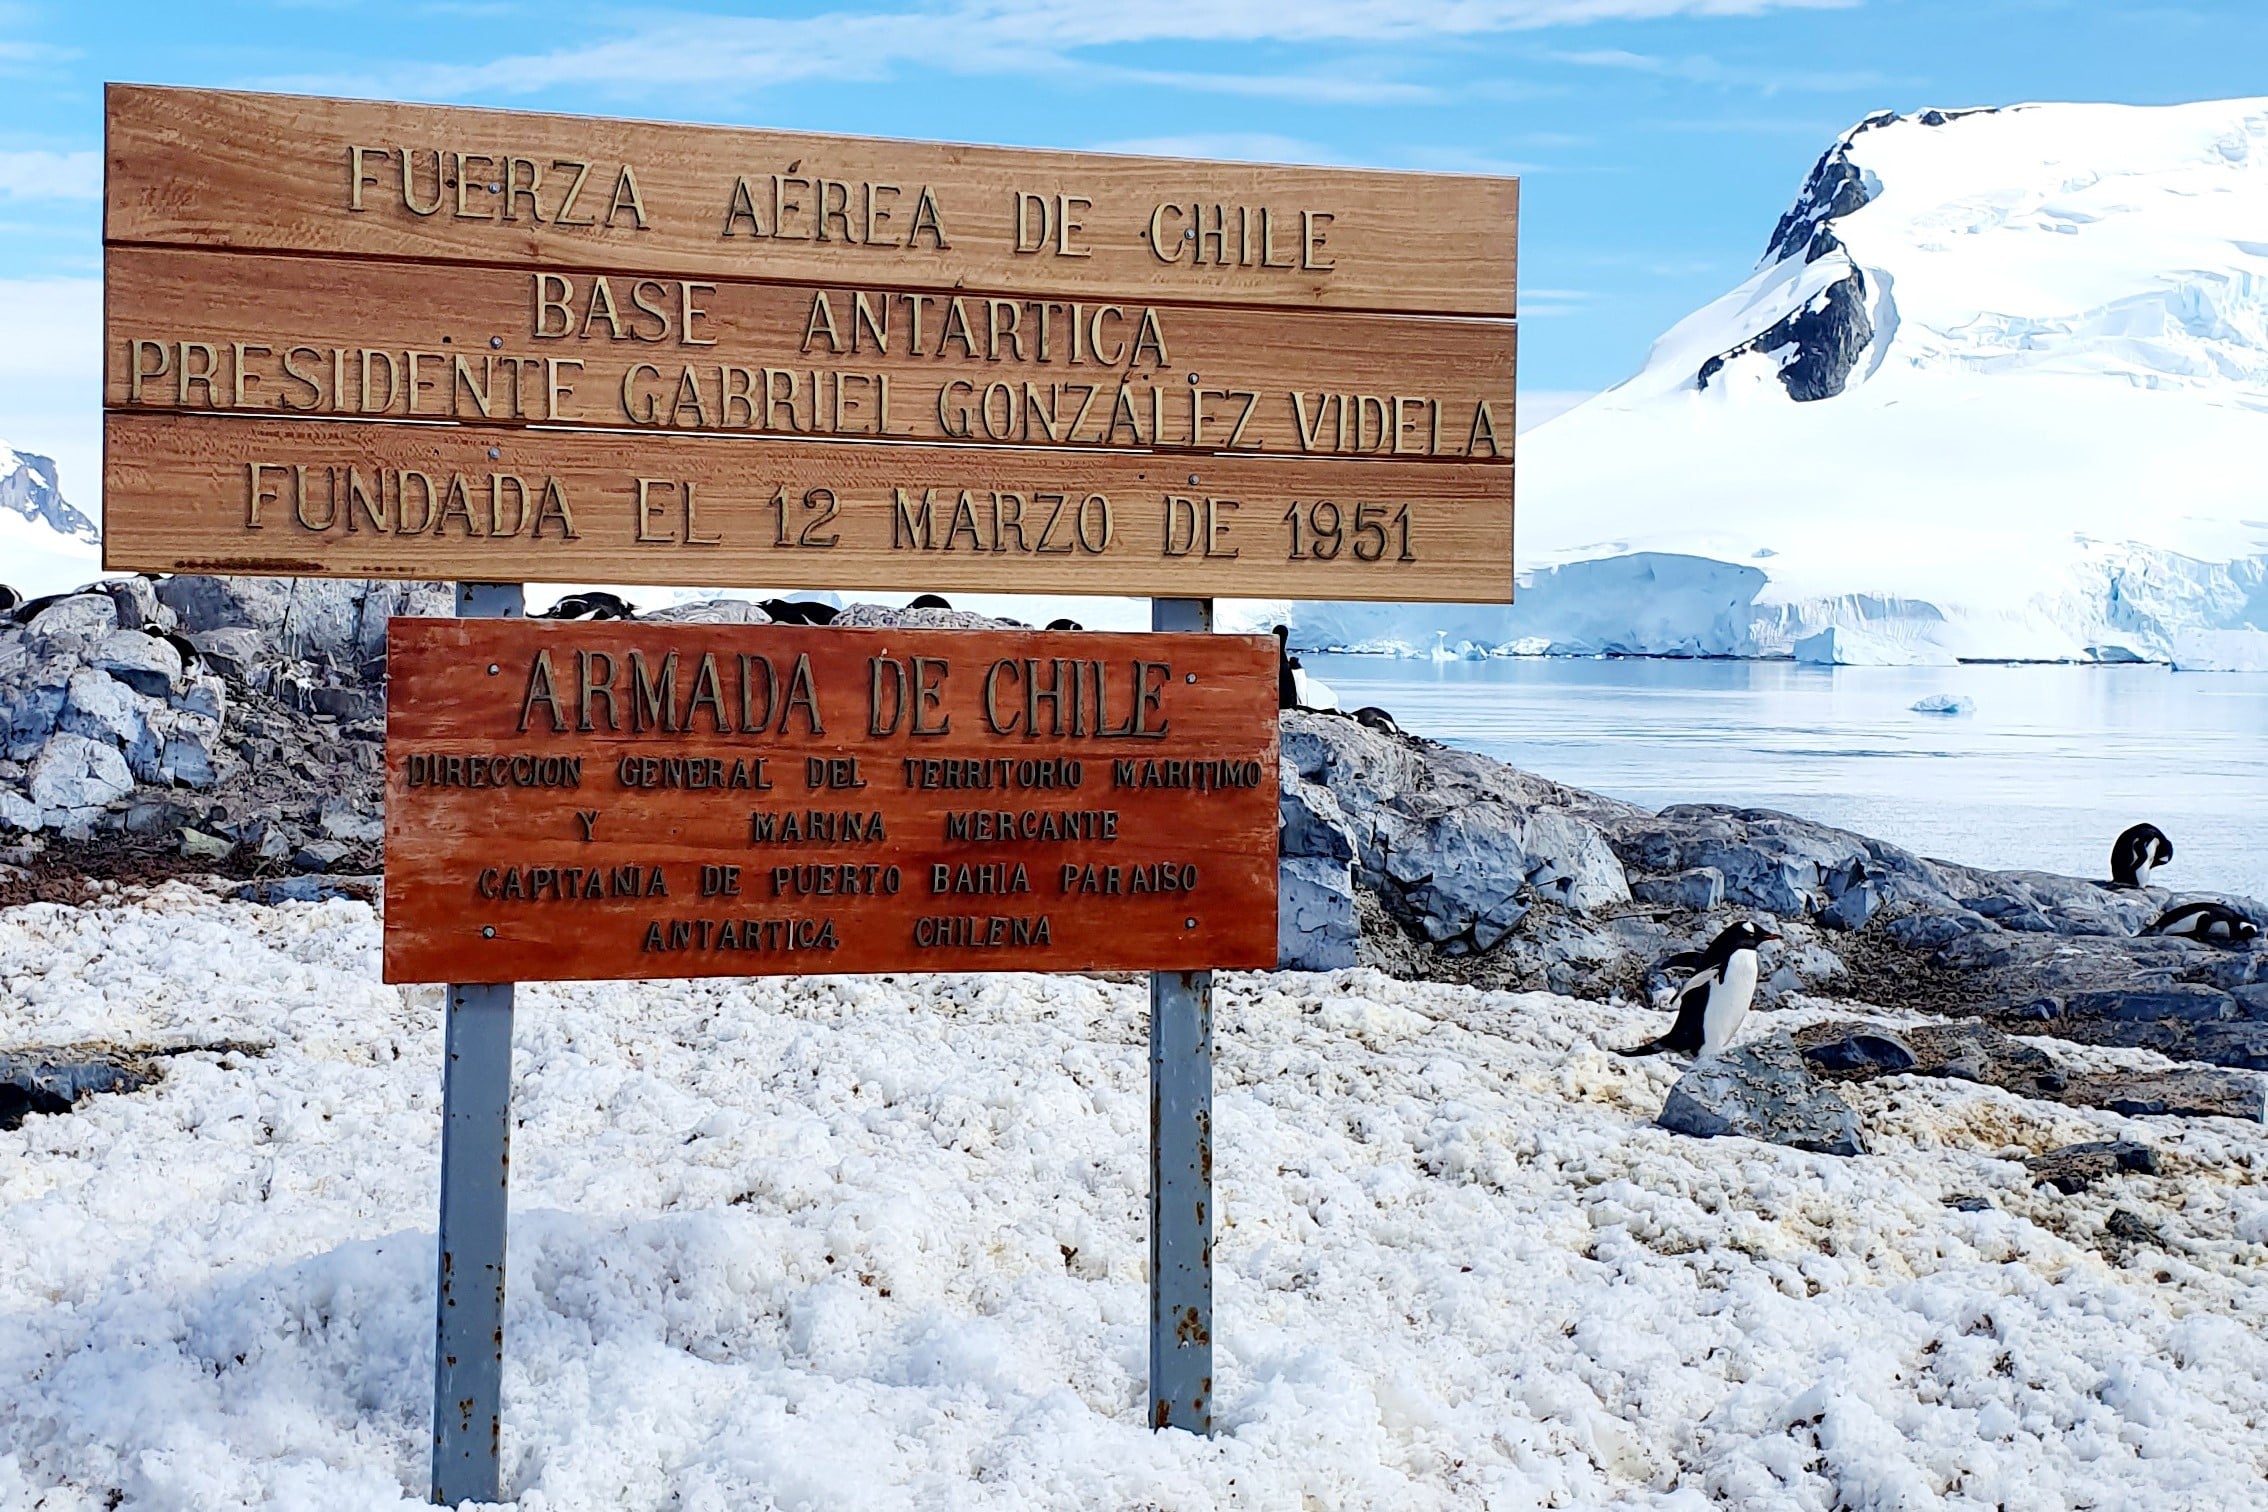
x=985, y=827
x=219, y=493
x=330, y=337
x=207, y=168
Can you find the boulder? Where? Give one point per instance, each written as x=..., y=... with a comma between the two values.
x=337, y=621
x=2190, y=1092
x=102, y=708
x=1698, y=888
x=18, y=812
x=81, y=619
x=199, y=846
x=148, y=664
x=343, y=819
x=136, y=603
x=231, y=650
x=1455, y=847
x=1762, y=1091
x=73, y=775
x=1316, y=927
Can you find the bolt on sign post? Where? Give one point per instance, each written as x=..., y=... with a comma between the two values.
x=374, y=340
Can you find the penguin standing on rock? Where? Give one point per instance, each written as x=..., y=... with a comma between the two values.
x=2138, y=852
x=1715, y=999
x=2216, y=923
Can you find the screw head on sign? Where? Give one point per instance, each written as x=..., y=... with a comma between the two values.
x=488, y=931
x=1185, y=924
x=494, y=453
x=1192, y=380
x=493, y=669
x=1193, y=480
x=1191, y=677
x=494, y=342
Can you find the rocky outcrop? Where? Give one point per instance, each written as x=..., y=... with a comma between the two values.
x=1457, y=848
x=1973, y=1051
x=236, y=720
x=1762, y=1091
x=93, y=706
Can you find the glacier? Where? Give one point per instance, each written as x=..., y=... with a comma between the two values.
x=1997, y=392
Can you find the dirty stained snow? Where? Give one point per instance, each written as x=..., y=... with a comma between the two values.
x=871, y=1243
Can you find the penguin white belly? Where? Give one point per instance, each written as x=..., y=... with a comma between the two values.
x=2142, y=873
x=1729, y=998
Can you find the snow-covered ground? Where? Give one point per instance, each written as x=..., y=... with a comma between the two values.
x=869, y=1243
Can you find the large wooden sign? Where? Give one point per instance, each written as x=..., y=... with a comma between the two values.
x=356, y=339
x=622, y=801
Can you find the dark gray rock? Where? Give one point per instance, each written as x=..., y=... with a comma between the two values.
x=1310, y=821
x=2130, y=1229
x=1762, y=1091
x=148, y=664
x=1860, y=1052
x=1316, y=928
x=2177, y=1003
x=1698, y=888
x=320, y=855
x=51, y=1081
x=1969, y=1050
x=2073, y=1168
x=1456, y=848
x=2191, y=1092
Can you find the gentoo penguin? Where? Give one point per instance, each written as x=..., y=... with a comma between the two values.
x=1065, y=624
x=2139, y=851
x=1287, y=686
x=1370, y=716
x=591, y=605
x=1712, y=1004
x=929, y=601
x=2214, y=922
x=797, y=611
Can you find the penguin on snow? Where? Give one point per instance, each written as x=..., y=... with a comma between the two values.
x=2216, y=923
x=1715, y=999
x=2139, y=851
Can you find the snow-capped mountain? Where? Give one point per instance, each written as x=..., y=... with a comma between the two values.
x=45, y=544
x=1999, y=389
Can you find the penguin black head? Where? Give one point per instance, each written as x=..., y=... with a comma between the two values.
x=2139, y=851
x=929, y=601
x=1745, y=934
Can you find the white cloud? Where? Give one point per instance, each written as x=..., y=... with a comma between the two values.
x=659, y=52
x=51, y=175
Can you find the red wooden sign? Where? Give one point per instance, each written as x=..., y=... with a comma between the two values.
x=584, y=801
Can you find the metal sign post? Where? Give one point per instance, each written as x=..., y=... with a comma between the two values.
x=1181, y=1163
x=476, y=1172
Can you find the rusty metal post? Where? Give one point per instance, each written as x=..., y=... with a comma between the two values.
x=1181, y=1163
x=476, y=1149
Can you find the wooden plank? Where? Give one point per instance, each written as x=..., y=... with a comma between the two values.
x=216, y=330
x=565, y=802
x=215, y=493
x=211, y=168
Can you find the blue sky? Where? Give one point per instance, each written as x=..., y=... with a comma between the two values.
x=1657, y=140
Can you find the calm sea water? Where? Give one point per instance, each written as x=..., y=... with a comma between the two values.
x=2052, y=764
